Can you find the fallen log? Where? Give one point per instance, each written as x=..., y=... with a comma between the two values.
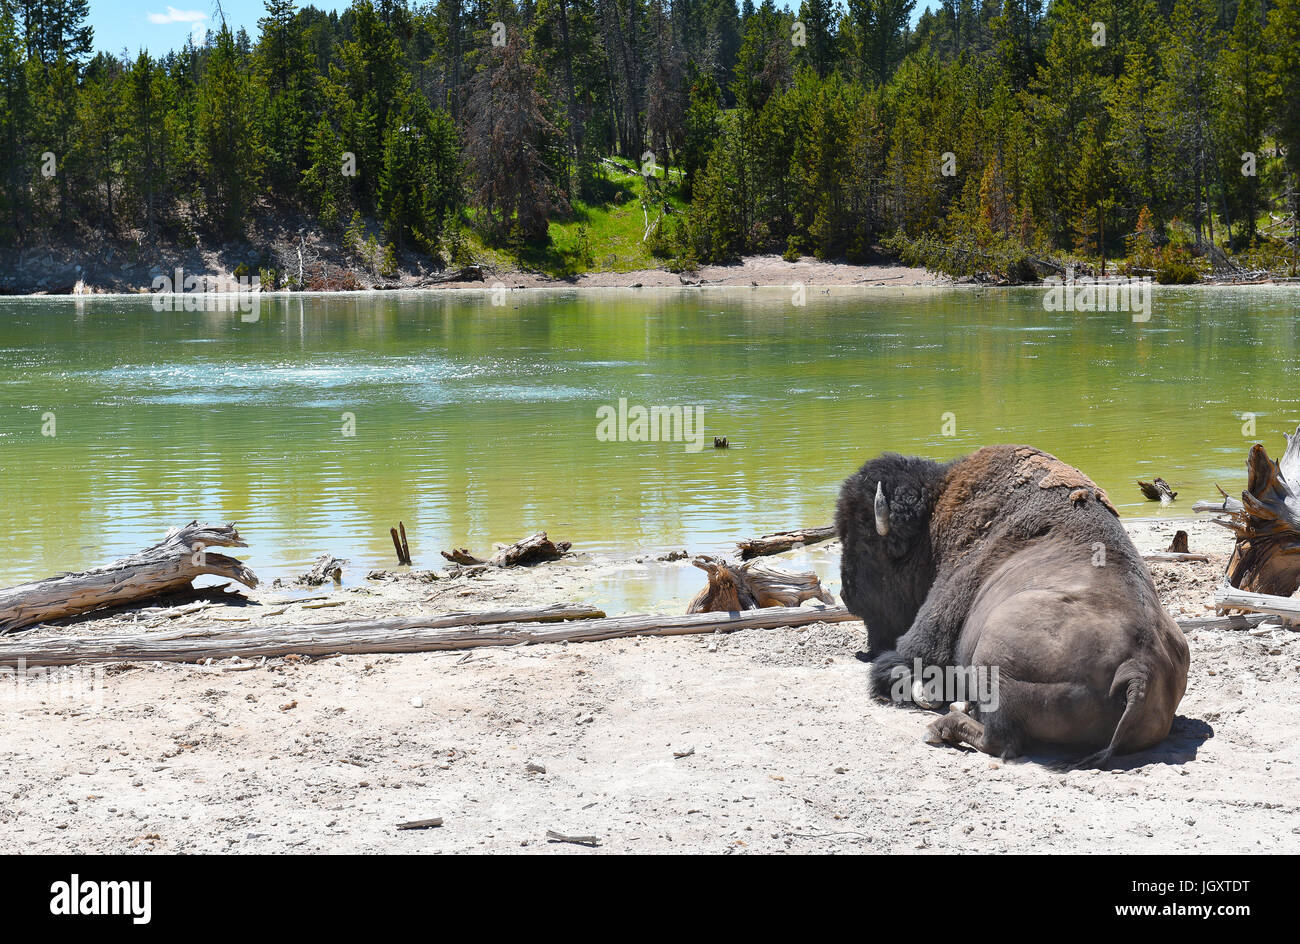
x=1174, y=556
x=531, y=550
x=776, y=586
x=461, y=555
x=454, y=631
x=1266, y=522
x=783, y=541
x=1227, y=597
x=1222, y=622
x=166, y=567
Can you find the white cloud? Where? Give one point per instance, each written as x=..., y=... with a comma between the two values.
x=174, y=15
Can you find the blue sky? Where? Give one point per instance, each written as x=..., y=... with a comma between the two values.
x=159, y=26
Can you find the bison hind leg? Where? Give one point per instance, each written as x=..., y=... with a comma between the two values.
x=959, y=729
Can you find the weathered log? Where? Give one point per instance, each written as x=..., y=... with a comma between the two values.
x=166, y=567
x=1232, y=598
x=1266, y=522
x=1222, y=622
x=455, y=631
x=783, y=541
x=1158, y=490
x=727, y=590
x=327, y=567
x=461, y=555
x=1170, y=556
x=531, y=550
x=734, y=587
x=776, y=586
x=1179, y=544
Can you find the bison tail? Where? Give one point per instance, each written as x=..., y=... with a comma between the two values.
x=1135, y=697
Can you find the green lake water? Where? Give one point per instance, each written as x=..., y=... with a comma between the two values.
x=477, y=423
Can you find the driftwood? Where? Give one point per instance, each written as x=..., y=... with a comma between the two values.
x=1227, y=597
x=454, y=631
x=783, y=541
x=400, y=545
x=1171, y=556
x=1158, y=490
x=750, y=586
x=1222, y=622
x=531, y=550
x=1179, y=544
x=327, y=567
x=461, y=555
x=166, y=567
x=433, y=823
x=727, y=590
x=1266, y=522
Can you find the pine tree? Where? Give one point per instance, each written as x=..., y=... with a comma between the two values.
x=230, y=155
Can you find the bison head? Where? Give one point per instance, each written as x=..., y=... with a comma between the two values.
x=887, y=564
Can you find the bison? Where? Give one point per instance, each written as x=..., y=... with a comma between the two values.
x=1012, y=563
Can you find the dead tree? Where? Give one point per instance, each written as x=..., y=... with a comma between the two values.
x=1266, y=522
x=753, y=585
x=166, y=567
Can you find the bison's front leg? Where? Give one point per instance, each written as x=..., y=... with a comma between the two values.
x=931, y=640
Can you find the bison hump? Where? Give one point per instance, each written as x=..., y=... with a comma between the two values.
x=1047, y=471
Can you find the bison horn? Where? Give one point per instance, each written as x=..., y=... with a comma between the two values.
x=882, y=510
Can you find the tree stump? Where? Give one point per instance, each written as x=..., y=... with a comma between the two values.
x=1266, y=522
x=754, y=585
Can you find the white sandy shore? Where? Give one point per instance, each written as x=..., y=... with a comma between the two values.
x=789, y=754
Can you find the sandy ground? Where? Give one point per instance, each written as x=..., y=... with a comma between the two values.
x=771, y=270
x=784, y=752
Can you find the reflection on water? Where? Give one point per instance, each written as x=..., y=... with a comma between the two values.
x=476, y=424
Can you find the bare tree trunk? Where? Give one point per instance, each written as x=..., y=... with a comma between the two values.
x=164, y=568
x=456, y=631
x=1266, y=558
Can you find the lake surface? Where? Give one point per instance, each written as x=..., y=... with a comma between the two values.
x=476, y=423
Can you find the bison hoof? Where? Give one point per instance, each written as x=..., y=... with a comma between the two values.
x=918, y=695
